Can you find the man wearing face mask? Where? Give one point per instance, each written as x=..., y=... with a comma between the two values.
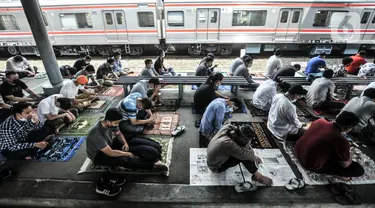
x=323, y=149
x=230, y=147
x=22, y=134
x=105, y=73
x=149, y=70
x=148, y=89
x=21, y=66
x=118, y=67
x=204, y=68
x=213, y=119
x=282, y=117
x=243, y=70
x=12, y=90
x=82, y=63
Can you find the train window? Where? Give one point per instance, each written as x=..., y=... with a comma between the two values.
x=108, y=18
x=249, y=17
x=323, y=18
x=8, y=22
x=120, y=18
x=213, y=16
x=146, y=19
x=284, y=17
x=295, y=17
x=176, y=18
x=202, y=16
x=373, y=20
x=76, y=20
x=365, y=17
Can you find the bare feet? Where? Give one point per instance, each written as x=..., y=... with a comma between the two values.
x=262, y=179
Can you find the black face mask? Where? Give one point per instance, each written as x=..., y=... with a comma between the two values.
x=16, y=81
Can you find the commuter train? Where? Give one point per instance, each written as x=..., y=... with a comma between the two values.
x=193, y=26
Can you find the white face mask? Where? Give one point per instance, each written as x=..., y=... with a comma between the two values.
x=23, y=119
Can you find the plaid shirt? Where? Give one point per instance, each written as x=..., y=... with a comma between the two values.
x=13, y=134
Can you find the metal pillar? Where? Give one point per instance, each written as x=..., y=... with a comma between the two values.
x=34, y=17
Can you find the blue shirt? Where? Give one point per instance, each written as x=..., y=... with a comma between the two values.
x=117, y=65
x=314, y=64
x=128, y=106
x=213, y=117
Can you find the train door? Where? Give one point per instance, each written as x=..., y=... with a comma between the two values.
x=368, y=23
x=115, y=26
x=49, y=28
x=288, y=26
x=208, y=24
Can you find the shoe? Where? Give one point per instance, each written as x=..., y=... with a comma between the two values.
x=178, y=131
x=107, y=189
x=115, y=180
x=159, y=166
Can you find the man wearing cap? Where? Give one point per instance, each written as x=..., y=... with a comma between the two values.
x=149, y=89
x=282, y=117
x=230, y=147
x=72, y=87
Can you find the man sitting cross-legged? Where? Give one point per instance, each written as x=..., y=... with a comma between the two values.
x=72, y=87
x=364, y=108
x=149, y=70
x=56, y=110
x=89, y=72
x=320, y=93
x=12, y=90
x=103, y=149
x=22, y=134
x=236, y=63
x=323, y=148
x=282, y=117
x=105, y=74
x=262, y=97
x=136, y=114
x=230, y=147
x=243, y=70
x=149, y=89
x=213, y=119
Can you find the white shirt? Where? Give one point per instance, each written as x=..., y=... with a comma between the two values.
x=11, y=65
x=48, y=106
x=273, y=63
x=282, y=117
x=318, y=91
x=262, y=97
x=371, y=85
x=367, y=69
x=70, y=90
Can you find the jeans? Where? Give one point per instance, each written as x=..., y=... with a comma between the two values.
x=312, y=76
x=232, y=161
x=128, y=129
x=353, y=170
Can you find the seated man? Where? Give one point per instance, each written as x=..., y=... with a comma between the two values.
x=243, y=70
x=262, y=97
x=136, y=114
x=207, y=92
x=118, y=68
x=82, y=63
x=149, y=71
x=56, y=110
x=282, y=117
x=312, y=69
x=152, y=87
x=89, y=72
x=230, y=147
x=105, y=74
x=72, y=87
x=67, y=72
x=204, y=69
x=364, y=108
x=213, y=119
x=21, y=66
x=273, y=63
x=211, y=55
x=160, y=67
x=286, y=71
x=367, y=70
x=22, y=134
x=340, y=70
x=358, y=60
x=236, y=63
x=12, y=90
x=323, y=149
x=104, y=150
x=5, y=111
x=320, y=93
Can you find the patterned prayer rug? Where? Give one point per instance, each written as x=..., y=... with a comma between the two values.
x=99, y=106
x=114, y=91
x=301, y=110
x=264, y=138
x=313, y=178
x=165, y=123
x=81, y=126
x=168, y=105
x=167, y=146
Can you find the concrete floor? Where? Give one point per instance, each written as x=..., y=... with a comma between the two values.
x=46, y=184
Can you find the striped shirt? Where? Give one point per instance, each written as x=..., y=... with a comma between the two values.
x=128, y=106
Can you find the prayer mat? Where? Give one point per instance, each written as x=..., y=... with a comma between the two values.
x=241, y=110
x=102, y=90
x=100, y=105
x=273, y=165
x=264, y=138
x=114, y=91
x=168, y=105
x=61, y=149
x=302, y=109
x=253, y=110
x=165, y=123
x=258, y=74
x=313, y=178
x=81, y=126
x=167, y=146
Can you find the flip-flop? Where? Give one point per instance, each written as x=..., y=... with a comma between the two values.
x=245, y=187
x=349, y=198
x=178, y=130
x=294, y=184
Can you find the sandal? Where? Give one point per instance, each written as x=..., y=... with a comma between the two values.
x=294, y=184
x=245, y=186
x=178, y=130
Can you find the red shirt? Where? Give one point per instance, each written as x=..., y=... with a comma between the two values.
x=356, y=64
x=322, y=143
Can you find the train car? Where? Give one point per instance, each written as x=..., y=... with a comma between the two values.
x=83, y=27
x=202, y=26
